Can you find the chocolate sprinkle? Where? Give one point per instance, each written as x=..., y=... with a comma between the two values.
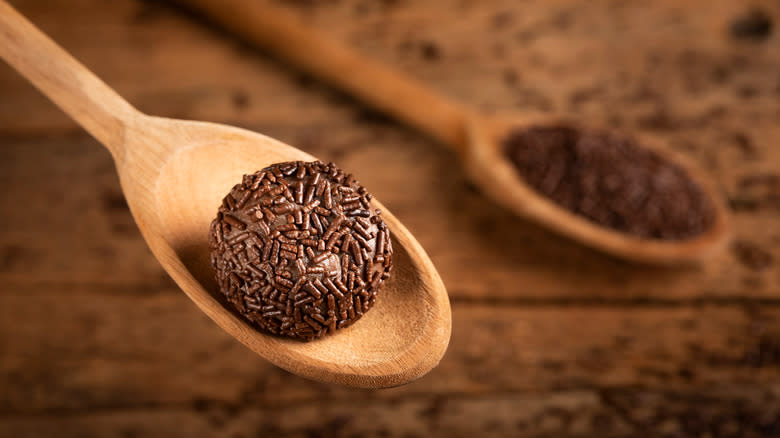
x=611, y=180
x=295, y=252
x=755, y=25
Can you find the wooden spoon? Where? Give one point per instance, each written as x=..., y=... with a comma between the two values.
x=476, y=138
x=174, y=175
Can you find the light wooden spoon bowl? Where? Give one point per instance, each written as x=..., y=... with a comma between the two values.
x=477, y=138
x=174, y=175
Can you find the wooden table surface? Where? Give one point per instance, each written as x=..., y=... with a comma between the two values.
x=549, y=338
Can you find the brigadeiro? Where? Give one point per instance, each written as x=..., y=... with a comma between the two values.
x=611, y=180
x=298, y=250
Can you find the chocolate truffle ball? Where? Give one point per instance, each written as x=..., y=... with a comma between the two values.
x=298, y=251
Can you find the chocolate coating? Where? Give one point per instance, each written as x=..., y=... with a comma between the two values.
x=298, y=251
x=611, y=180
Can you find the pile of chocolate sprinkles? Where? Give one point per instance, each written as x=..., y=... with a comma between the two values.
x=298, y=251
x=611, y=180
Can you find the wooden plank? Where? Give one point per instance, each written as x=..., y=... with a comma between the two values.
x=506, y=415
x=449, y=43
x=75, y=227
x=78, y=348
x=506, y=258
x=747, y=411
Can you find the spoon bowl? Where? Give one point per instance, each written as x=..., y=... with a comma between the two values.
x=485, y=151
x=400, y=339
x=174, y=175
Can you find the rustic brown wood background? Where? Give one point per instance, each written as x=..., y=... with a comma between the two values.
x=549, y=338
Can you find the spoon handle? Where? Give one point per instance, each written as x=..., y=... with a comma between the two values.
x=287, y=37
x=89, y=101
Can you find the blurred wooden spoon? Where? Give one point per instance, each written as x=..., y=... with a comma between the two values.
x=174, y=174
x=477, y=138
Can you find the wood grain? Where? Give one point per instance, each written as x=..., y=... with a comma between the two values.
x=100, y=356
x=549, y=338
